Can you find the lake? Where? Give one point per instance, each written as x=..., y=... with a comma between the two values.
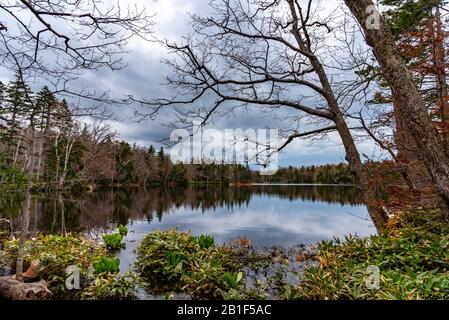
x=268, y=215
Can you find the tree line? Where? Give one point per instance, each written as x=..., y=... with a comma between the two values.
x=73, y=213
x=69, y=152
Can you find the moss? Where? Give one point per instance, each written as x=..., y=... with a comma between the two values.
x=412, y=257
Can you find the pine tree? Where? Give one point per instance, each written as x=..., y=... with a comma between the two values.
x=19, y=106
x=151, y=151
x=45, y=103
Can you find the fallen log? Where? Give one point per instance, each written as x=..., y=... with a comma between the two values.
x=11, y=289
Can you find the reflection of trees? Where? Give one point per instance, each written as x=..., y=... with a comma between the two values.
x=11, y=204
x=316, y=193
x=94, y=212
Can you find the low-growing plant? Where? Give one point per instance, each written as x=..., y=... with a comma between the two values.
x=206, y=242
x=123, y=230
x=175, y=260
x=105, y=264
x=113, y=242
x=112, y=287
x=412, y=257
x=55, y=254
x=232, y=279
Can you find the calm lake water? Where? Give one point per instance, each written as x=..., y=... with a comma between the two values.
x=277, y=215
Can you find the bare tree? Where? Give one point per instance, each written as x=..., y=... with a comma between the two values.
x=55, y=40
x=265, y=55
x=99, y=157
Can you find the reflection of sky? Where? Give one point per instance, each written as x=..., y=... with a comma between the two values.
x=266, y=221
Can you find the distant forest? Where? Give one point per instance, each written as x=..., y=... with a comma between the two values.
x=68, y=153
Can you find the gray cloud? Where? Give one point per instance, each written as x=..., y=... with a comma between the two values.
x=144, y=77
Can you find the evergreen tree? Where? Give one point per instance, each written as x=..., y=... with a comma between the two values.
x=19, y=106
x=45, y=103
x=151, y=151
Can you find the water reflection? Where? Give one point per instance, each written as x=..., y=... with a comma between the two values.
x=279, y=212
x=267, y=215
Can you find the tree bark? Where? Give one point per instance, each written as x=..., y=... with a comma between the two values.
x=430, y=147
x=25, y=223
x=40, y=152
x=439, y=61
x=17, y=151
x=11, y=289
x=23, y=234
x=376, y=212
x=68, y=151
x=58, y=158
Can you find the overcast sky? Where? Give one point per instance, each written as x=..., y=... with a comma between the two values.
x=145, y=74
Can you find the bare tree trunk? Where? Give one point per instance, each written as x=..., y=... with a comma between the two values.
x=25, y=223
x=376, y=212
x=68, y=151
x=430, y=147
x=58, y=158
x=440, y=69
x=16, y=153
x=39, y=156
x=61, y=204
